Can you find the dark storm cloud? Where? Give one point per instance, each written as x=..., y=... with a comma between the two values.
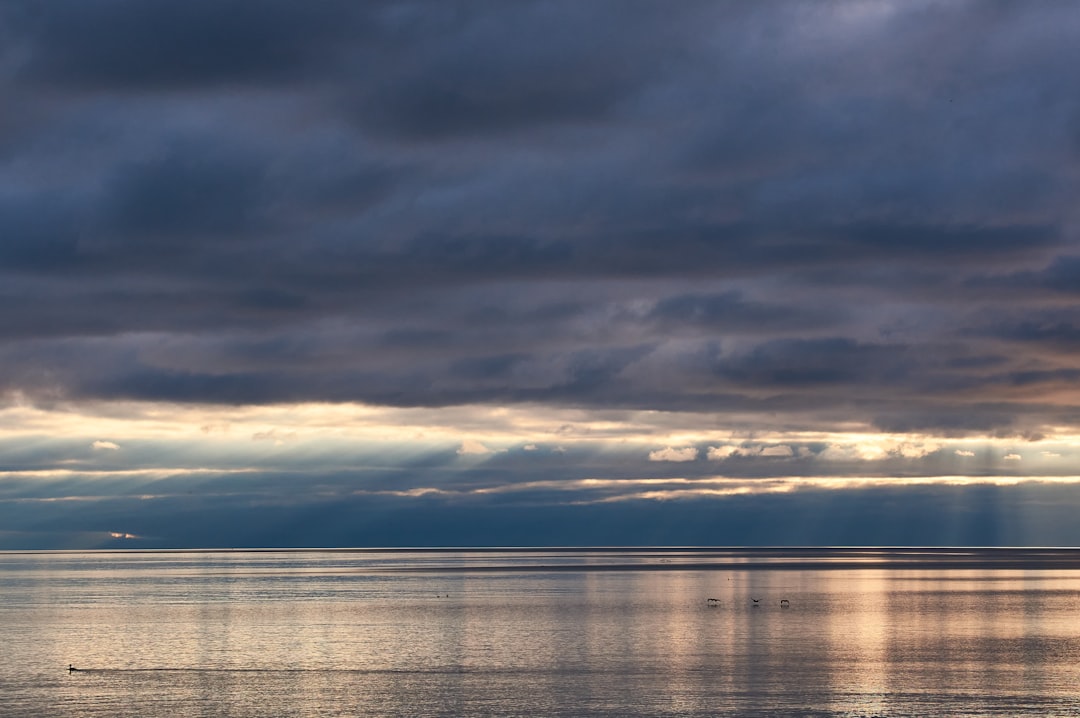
x=1060, y=331
x=856, y=210
x=729, y=311
x=475, y=79
x=835, y=361
x=159, y=45
x=187, y=192
x=38, y=233
x=1061, y=276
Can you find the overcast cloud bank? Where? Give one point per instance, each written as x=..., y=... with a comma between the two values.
x=741, y=218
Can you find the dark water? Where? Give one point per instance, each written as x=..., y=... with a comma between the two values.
x=628, y=632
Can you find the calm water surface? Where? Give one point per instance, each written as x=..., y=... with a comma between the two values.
x=626, y=632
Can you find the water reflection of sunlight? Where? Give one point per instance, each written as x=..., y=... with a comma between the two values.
x=853, y=641
x=857, y=629
x=678, y=636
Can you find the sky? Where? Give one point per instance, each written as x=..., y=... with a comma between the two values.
x=277, y=273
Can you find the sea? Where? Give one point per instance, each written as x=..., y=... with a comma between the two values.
x=814, y=632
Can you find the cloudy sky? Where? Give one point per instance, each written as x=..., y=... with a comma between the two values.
x=279, y=273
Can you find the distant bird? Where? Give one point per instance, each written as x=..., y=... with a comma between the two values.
x=784, y=603
x=755, y=600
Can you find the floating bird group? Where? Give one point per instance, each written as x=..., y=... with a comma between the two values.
x=755, y=602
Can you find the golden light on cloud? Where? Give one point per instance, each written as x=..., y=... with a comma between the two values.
x=666, y=489
x=472, y=447
x=719, y=453
x=492, y=426
x=152, y=441
x=685, y=453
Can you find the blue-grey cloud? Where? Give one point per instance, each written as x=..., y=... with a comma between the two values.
x=819, y=213
x=161, y=46
x=979, y=515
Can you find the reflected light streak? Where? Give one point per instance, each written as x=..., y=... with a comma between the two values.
x=681, y=488
x=149, y=474
x=860, y=639
x=85, y=498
